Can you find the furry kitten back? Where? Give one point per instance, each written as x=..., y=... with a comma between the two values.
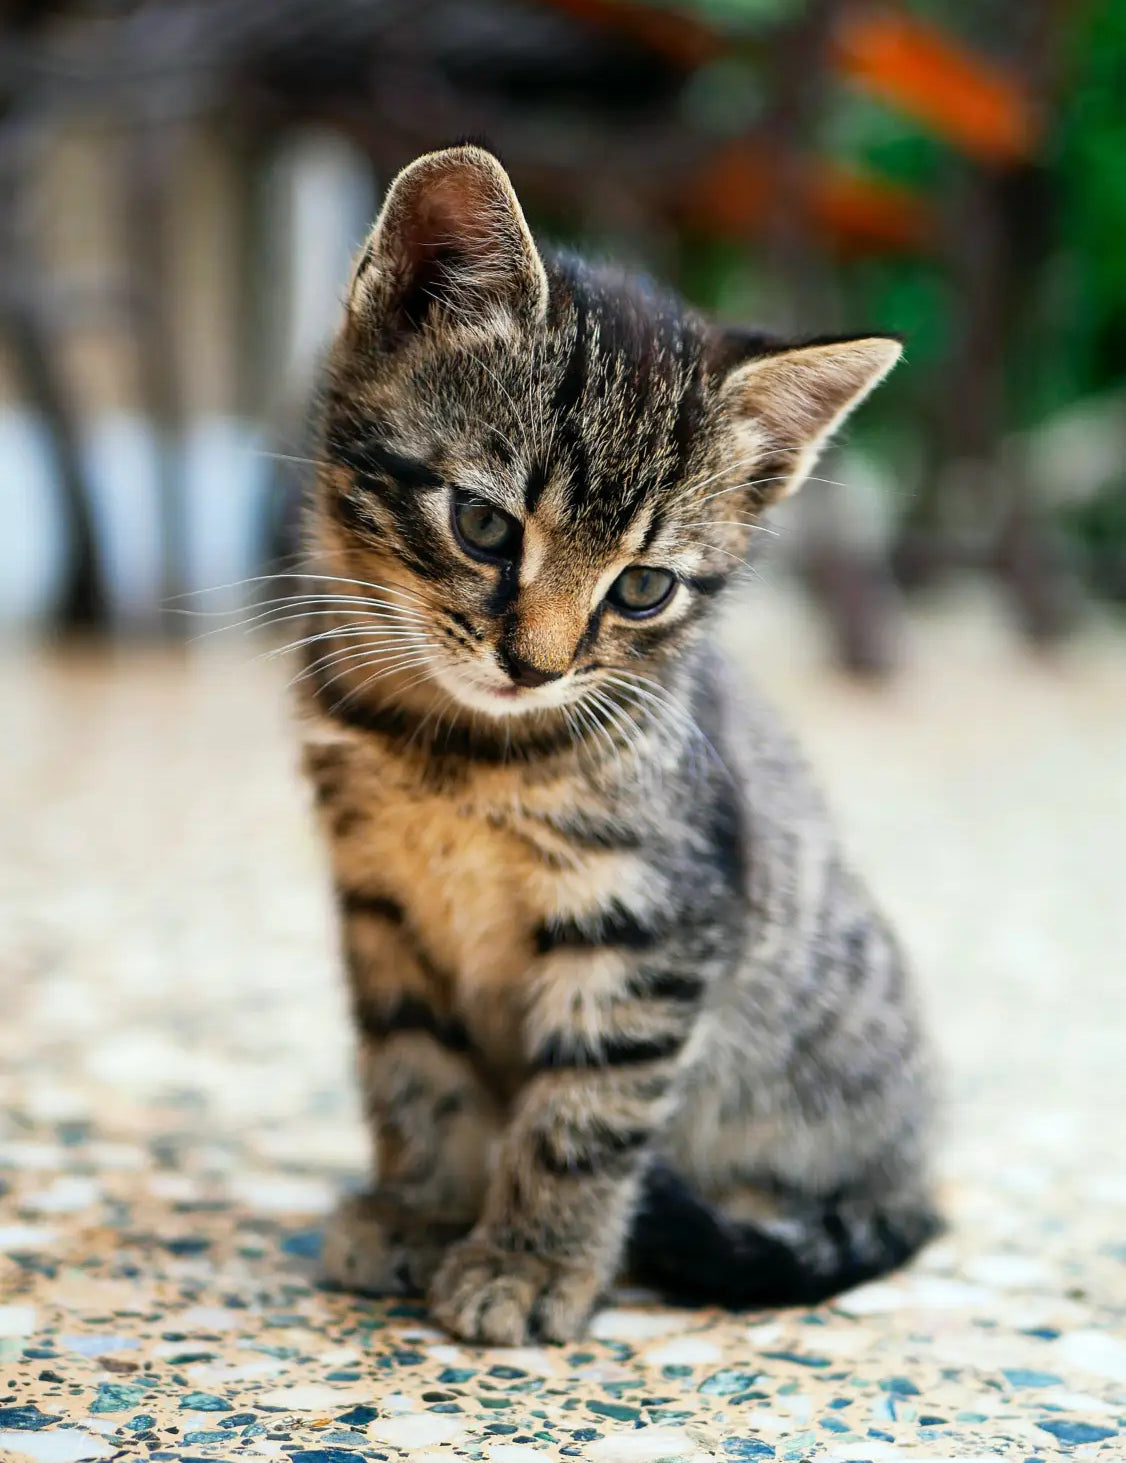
x=620, y=1001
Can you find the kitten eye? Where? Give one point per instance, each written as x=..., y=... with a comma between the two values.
x=641, y=591
x=484, y=531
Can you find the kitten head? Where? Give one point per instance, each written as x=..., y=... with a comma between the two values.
x=541, y=473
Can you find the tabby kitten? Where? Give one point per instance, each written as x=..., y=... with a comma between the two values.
x=621, y=1004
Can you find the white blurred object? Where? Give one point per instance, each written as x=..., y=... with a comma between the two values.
x=320, y=201
x=121, y=465
x=317, y=204
x=32, y=547
x=227, y=481
x=1078, y=452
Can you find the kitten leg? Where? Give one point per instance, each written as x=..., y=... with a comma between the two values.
x=431, y=1118
x=559, y=1202
x=376, y=1247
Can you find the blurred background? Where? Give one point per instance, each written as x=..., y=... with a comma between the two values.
x=183, y=183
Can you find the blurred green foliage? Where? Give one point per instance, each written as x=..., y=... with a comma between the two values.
x=1089, y=162
x=1065, y=342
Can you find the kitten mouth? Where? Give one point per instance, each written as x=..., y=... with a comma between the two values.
x=521, y=695
x=502, y=701
x=507, y=691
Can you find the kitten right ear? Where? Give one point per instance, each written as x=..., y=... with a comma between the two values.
x=451, y=245
x=785, y=403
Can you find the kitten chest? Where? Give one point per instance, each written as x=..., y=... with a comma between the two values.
x=477, y=876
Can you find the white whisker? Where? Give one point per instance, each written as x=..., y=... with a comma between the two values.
x=759, y=482
x=358, y=652
x=354, y=631
x=699, y=543
x=425, y=720
x=587, y=709
x=369, y=610
x=403, y=664
x=317, y=575
x=646, y=689
x=357, y=660
x=739, y=523
x=728, y=467
x=292, y=457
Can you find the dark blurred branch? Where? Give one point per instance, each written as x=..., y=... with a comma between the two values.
x=148, y=157
x=26, y=322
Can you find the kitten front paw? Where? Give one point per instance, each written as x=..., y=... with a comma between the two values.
x=494, y=1296
x=375, y=1247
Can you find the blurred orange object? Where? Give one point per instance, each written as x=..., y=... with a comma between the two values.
x=906, y=62
x=914, y=67
x=862, y=212
x=745, y=188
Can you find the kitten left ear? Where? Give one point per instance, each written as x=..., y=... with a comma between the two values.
x=787, y=404
x=450, y=245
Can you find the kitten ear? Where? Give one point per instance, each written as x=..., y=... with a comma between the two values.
x=788, y=403
x=450, y=245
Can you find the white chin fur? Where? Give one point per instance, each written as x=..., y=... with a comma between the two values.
x=475, y=697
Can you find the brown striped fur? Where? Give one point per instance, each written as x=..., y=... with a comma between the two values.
x=619, y=1000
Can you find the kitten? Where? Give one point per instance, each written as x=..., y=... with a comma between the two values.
x=620, y=1001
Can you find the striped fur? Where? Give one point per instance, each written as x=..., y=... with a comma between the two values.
x=618, y=997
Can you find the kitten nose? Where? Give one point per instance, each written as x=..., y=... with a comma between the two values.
x=524, y=673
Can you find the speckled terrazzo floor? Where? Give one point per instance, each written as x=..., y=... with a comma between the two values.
x=177, y=1113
